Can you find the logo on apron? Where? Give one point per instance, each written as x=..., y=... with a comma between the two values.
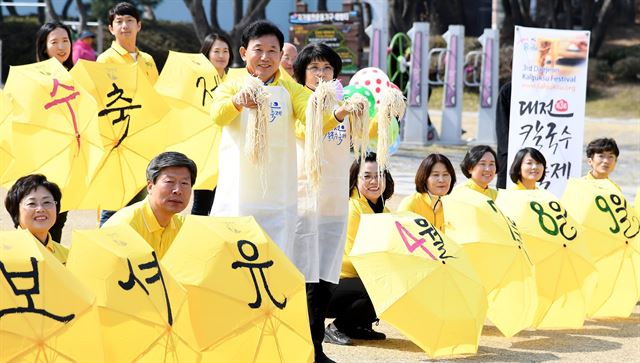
x=337, y=135
x=276, y=111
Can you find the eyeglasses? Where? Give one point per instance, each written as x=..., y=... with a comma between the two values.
x=369, y=177
x=316, y=70
x=47, y=204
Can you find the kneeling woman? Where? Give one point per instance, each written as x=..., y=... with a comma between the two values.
x=350, y=304
x=435, y=178
x=33, y=203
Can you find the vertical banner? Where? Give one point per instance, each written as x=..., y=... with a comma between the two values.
x=549, y=82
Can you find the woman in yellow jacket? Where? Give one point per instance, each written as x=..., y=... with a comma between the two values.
x=33, y=203
x=435, y=178
x=217, y=48
x=350, y=303
x=527, y=169
x=480, y=165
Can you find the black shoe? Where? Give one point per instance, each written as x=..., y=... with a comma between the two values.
x=334, y=336
x=364, y=333
x=322, y=358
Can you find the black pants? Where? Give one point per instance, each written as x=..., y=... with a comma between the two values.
x=351, y=305
x=318, y=297
x=202, y=202
x=56, y=230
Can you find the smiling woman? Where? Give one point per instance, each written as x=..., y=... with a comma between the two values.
x=33, y=203
x=53, y=40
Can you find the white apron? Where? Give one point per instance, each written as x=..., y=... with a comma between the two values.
x=321, y=234
x=240, y=192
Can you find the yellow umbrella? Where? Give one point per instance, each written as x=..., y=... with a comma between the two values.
x=6, y=157
x=557, y=244
x=39, y=301
x=187, y=82
x=494, y=246
x=612, y=231
x=133, y=126
x=247, y=301
x=138, y=301
x=54, y=129
x=420, y=282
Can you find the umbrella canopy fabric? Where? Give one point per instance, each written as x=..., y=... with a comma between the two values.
x=421, y=282
x=54, y=112
x=133, y=127
x=187, y=81
x=612, y=230
x=137, y=299
x=247, y=301
x=495, y=247
x=39, y=301
x=6, y=157
x=565, y=272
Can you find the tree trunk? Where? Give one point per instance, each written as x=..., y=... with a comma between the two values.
x=213, y=15
x=147, y=13
x=82, y=16
x=258, y=10
x=237, y=11
x=200, y=23
x=50, y=14
x=11, y=9
x=322, y=5
x=65, y=9
x=599, y=31
x=41, y=13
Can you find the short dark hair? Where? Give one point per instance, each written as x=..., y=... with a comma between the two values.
x=208, y=43
x=123, y=8
x=354, y=172
x=315, y=51
x=515, y=171
x=41, y=42
x=473, y=156
x=601, y=145
x=425, y=168
x=259, y=29
x=24, y=186
x=168, y=159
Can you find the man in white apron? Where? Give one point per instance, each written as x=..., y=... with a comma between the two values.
x=240, y=188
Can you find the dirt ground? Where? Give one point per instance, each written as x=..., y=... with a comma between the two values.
x=616, y=340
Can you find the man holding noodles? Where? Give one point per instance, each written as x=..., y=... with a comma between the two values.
x=257, y=109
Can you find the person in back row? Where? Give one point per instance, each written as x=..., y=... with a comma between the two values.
x=170, y=176
x=602, y=156
x=480, y=166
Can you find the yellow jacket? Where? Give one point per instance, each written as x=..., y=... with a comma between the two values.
x=422, y=204
x=520, y=186
x=590, y=177
x=489, y=192
x=141, y=218
x=358, y=205
x=224, y=112
x=119, y=55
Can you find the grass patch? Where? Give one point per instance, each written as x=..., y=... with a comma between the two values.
x=619, y=101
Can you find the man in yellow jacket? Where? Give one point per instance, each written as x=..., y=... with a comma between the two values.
x=269, y=193
x=170, y=176
x=124, y=25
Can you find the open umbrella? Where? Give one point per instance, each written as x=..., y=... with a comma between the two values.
x=55, y=129
x=137, y=300
x=133, y=126
x=420, y=282
x=187, y=81
x=6, y=157
x=495, y=247
x=247, y=301
x=612, y=231
x=557, y=244
x=39, y=301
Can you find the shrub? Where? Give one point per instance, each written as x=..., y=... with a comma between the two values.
x=627, y=69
